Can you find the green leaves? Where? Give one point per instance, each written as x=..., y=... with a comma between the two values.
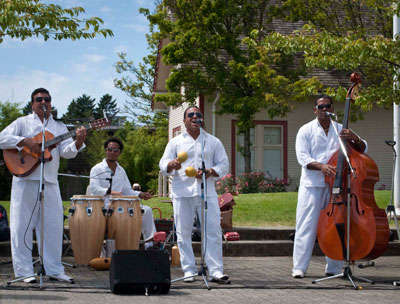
x=30, y=18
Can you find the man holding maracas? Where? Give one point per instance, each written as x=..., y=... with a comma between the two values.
x=181, y=156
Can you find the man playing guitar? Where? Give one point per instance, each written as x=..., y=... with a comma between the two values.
x=24, y=208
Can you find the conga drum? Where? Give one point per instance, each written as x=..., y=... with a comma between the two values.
x=87, y=227
x=124, y=222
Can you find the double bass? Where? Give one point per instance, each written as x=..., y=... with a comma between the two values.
x=352, y=218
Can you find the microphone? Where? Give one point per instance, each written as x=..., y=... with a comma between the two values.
x=44, y=109
x=390, y=142
x=330, y=114
x=200, y=121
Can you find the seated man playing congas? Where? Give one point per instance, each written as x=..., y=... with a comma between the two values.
x=108, y=177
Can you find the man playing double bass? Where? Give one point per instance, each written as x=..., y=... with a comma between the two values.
x=316, y=142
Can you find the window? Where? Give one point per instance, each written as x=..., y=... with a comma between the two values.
x=267, y=149
x=273, y=152
x=176, y=131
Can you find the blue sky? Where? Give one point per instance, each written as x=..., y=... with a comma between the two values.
x=69, y=69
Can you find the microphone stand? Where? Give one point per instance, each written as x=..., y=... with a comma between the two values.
x=346, y=273
x=204, y=208
x=110, y=179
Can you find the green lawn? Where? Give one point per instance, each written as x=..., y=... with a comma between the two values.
x=256, y=210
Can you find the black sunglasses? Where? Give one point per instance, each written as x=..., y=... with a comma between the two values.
x=40, y=99
x=112, y=149
x=326, y=106
x=198, y=114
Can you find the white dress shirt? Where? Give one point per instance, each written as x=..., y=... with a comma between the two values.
x=29, y=126
x=313, y=145
x=120, y=182
x=214, y=156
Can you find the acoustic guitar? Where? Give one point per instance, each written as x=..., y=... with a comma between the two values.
x=24, y=162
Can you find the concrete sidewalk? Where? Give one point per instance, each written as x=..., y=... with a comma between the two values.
x=254, y=280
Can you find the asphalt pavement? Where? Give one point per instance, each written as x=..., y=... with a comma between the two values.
x=253, y=280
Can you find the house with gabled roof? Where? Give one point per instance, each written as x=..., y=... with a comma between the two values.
x=273, y=140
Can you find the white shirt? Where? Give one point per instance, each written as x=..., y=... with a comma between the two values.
x=214, y=156
x=120, y=182
x=313, y=145
x=29, y=126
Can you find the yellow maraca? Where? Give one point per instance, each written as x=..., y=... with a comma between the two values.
x=191, y=172
x=182, y=156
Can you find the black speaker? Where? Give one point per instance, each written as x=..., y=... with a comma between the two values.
x=140, y=272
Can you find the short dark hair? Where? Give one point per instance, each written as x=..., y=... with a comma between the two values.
x=39, y=90
x=321, y=95
x=191, y=107
x=116, y=140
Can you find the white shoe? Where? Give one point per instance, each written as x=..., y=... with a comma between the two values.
x=297, y=274
x=61, y=277
x=219, y=277
x=189, y=277
x=30, y=280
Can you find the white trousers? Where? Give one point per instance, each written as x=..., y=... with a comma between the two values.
x=148, y=226
x=311, y=200
x=25, y=216
x=184, y=212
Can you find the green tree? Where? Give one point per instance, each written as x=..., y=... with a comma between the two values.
x=146, y=135
x=8, y=113
x=137, y=83
x=144, y=146
x=80, y=109
x=108, y=105
x=32, y=18
x=345, y=36
x=208, y=55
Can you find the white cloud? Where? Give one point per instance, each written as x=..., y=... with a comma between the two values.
x=106, y=9
x=80, y=67
x=94, y=57
x=121, y=49
x=18, y=43
x=19, y=86
x=137, y=27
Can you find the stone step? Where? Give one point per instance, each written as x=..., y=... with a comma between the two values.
x=261, y=233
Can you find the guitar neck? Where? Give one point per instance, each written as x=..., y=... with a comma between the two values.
x=62, y=137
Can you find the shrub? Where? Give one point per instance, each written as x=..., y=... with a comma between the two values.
x=226, y=185
x=254, y=182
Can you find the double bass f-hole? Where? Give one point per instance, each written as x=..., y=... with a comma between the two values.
x=333, y=205
x=353, y=195
x=357, y=205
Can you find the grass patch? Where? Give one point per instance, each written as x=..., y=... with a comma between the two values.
x=253, y=210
